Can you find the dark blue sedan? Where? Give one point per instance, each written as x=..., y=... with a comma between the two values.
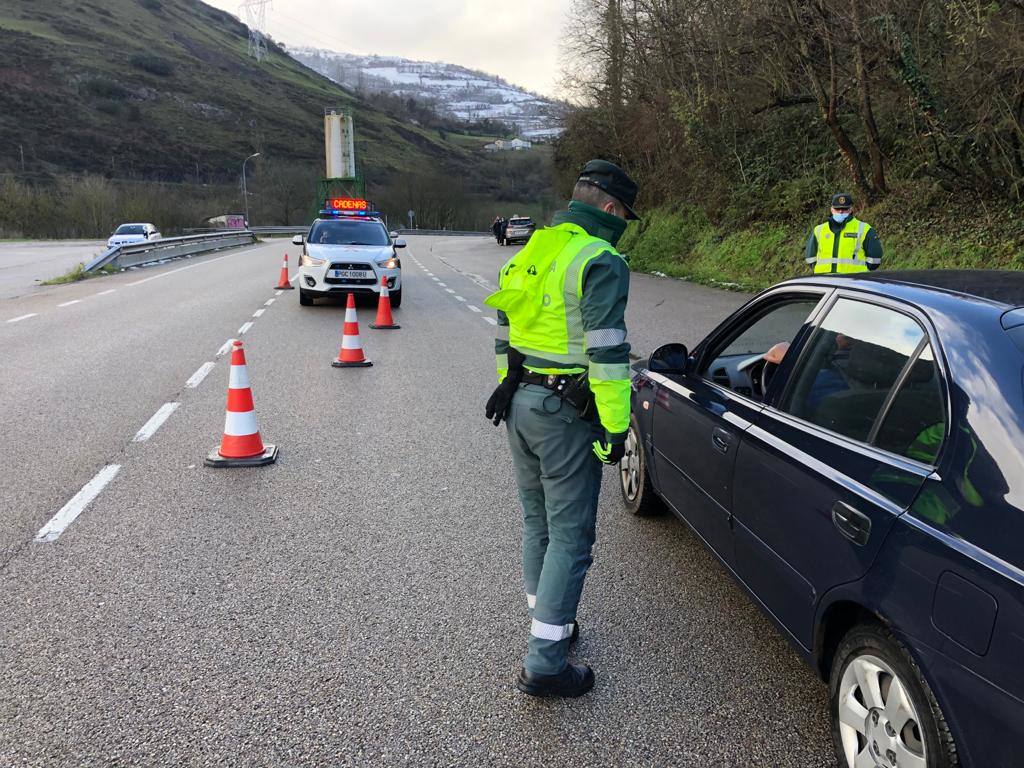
x=852, y=450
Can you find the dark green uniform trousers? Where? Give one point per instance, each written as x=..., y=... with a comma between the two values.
x=559, y=480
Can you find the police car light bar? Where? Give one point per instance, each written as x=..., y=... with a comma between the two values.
x=347, y=204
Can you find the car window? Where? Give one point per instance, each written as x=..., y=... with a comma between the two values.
x=850, y=366
x=348, y=232
x=915, y=423
x=130, y=229
x=738, y=361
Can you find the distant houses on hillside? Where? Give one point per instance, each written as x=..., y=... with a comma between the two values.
x=504, y=145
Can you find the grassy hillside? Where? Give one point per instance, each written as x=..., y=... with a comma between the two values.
x=164, y=89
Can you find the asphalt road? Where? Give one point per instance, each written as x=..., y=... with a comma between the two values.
x=359, y=601
x=24, y=263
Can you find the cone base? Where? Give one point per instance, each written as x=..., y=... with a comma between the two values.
x=344, y=364
x=269, y=456
x=285, y=287
x=392, y=326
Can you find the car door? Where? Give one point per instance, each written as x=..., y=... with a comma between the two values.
x=699, y=416
x=817, y=487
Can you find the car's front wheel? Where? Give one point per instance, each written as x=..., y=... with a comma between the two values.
x=883, y=711
x=638, y=494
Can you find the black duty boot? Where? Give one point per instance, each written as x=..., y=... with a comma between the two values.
x=574, y=680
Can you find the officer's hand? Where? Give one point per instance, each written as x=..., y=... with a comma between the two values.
x=609, y=453
x=500, y=400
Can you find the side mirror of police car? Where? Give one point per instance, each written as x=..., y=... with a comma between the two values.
x=669, y=358
x=297, y=240
x=399, y=243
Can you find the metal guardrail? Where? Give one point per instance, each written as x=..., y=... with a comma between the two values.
x=134, y=254
x=433, y=232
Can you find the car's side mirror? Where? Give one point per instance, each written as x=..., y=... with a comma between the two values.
x=669, y=358
x=297, y=240
x=399, y=243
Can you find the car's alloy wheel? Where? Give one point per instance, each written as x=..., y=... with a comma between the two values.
x=638, y=494
x=883, y=712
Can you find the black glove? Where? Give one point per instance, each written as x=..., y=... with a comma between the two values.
x=612, y=449
x=500, y=400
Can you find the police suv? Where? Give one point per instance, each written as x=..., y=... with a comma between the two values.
x=348, y=250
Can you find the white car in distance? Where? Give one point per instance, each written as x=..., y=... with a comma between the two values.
x=348, y=254
x=126, y=234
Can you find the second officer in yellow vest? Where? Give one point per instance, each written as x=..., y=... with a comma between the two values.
x=564, y=391
x=843, y=245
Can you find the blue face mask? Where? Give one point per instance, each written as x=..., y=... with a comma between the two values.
x=840, y=217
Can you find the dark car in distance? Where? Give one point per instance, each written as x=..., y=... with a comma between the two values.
x=850, y=448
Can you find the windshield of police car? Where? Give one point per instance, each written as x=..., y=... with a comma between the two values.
x=131, y=229
x=348, y=232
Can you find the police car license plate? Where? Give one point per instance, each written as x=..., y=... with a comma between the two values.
x=350, y=274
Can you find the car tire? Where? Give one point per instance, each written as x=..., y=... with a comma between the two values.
x=869, y=657
x=638, y=494
x=396, y=298
x=305, y=299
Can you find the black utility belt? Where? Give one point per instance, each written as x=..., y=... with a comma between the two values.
x=573, y=388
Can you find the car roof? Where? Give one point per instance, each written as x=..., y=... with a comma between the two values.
x=1001, y=287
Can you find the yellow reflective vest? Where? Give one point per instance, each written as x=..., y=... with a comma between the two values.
x=850, y=256
x=541, y=293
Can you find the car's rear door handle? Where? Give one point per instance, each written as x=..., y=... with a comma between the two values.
x=721, y=439
x=854, y=525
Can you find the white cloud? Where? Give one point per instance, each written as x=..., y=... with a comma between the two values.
x=517, y=40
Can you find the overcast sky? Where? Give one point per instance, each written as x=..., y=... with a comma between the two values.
x=516, y=39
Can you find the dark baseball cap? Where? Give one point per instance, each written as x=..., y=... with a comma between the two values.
x=613, y=180
x=843, y=201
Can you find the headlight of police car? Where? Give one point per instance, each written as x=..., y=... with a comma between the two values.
x=389, y=263
x=305, y=260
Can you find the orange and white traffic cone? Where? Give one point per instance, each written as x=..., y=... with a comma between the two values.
x=284, y=284
x=384, y=321
x=241, y=445
x=351, y=354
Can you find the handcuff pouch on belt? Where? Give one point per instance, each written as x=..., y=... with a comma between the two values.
x=574, y=390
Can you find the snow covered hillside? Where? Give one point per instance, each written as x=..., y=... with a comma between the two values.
x=462, y=93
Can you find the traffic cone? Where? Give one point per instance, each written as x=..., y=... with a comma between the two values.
x=384, y=321
x=284, y=284
x=241, y=445
x=351, y=354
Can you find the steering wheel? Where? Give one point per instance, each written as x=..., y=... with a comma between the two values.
x=756, y=369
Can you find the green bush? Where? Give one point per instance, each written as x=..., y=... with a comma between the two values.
x=105, y=88
x=152, y=64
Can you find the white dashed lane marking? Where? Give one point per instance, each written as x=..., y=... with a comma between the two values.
x=69, y=303
x=23, y=317
x=459, y=298
x=475, y=309
x=67, y=514
x=225, y=347
x=449, y=290
x=155, y=422
x=268, y=302
x=245, y=327
x=104, y=293
x=258, y=313
x=197, y=378
x=491, y=320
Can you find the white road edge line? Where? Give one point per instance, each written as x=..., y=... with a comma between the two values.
x=491, y=320
x=225, y=347
x=155, y=422
x=258, y=313
x=69, y=303
x=182, y=269
x=23, y=317
x=475, y=309
x=245, y=327
x=268, y=302
x=67, y=514
x=197, y=378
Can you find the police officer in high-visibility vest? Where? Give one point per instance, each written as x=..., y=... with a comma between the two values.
x=564, y=386
x=843, y=245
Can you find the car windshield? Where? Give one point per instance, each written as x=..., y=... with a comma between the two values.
x=348, y=232
x=131, y=229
